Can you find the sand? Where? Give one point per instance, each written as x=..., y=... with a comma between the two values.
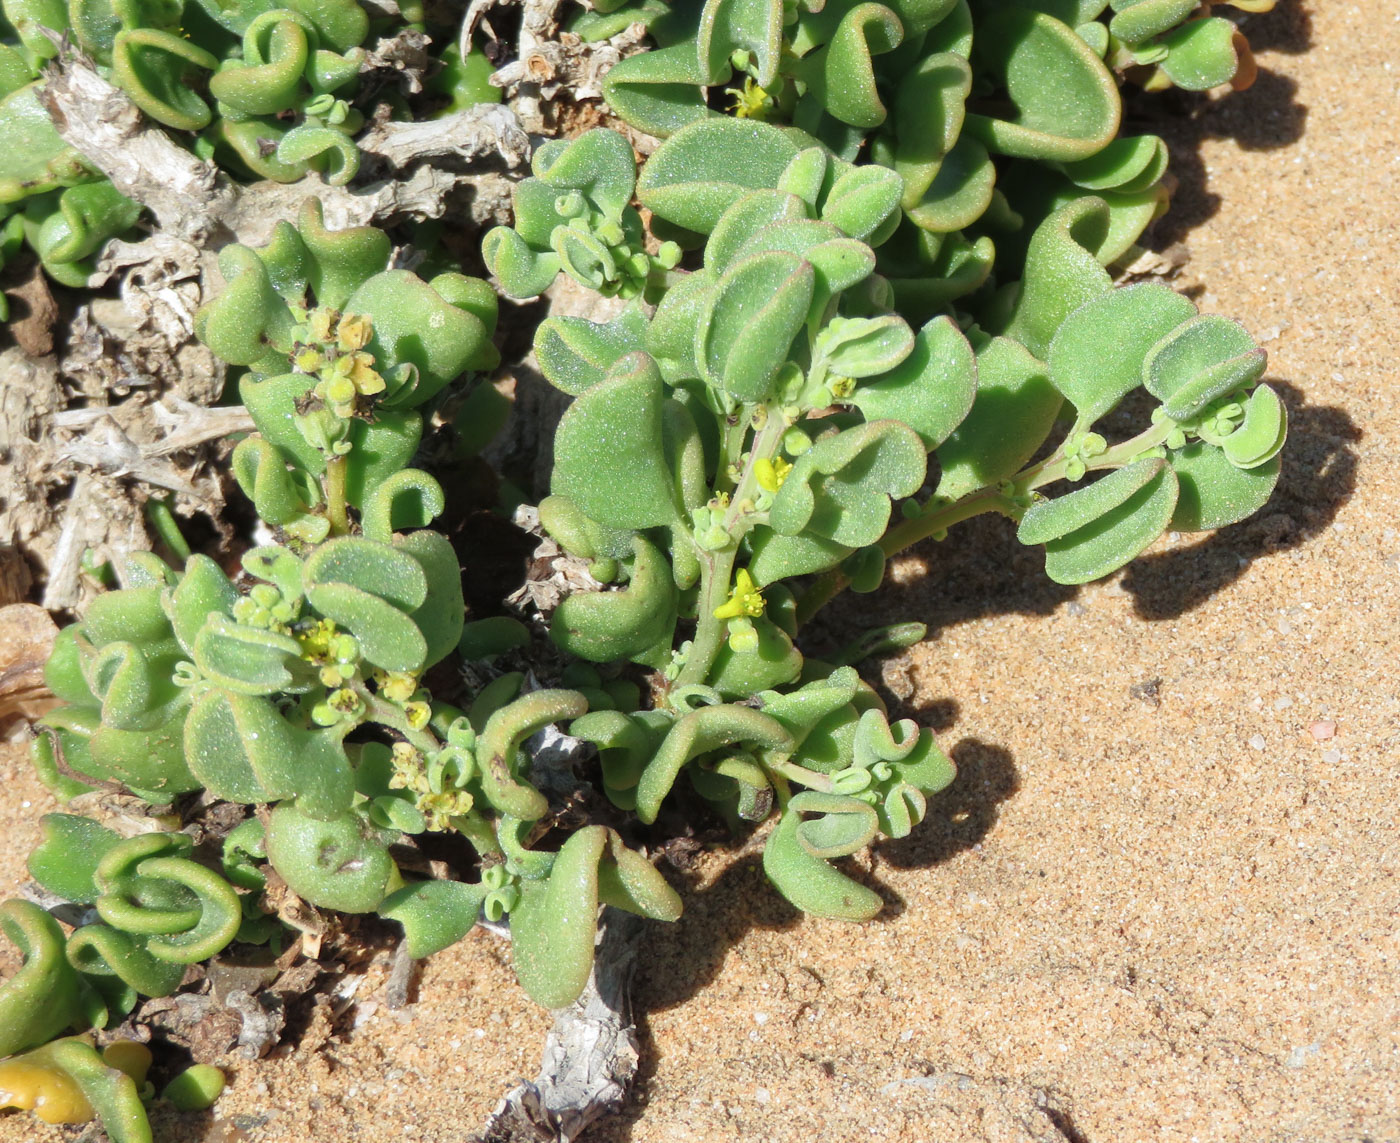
x=1159, y=904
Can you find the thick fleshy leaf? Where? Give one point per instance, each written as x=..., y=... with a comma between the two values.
x=552, y=929
x=44, y=997
x=699, y=732
x=606, y=625
x=1202, y=54
x=1117, y=536
x=810, y=883
x=1014, y=410
x=863, y=202
x=1214, y=492
x=959, y=194
x=575, y=353
x=340, y=864
x=842, y=825
x=1062, y=272
x=928, y=118
x=1048, y=520
x=1199, y=362
x=441, y=615
x=1259, y=439
x=841, y=487
x=434, y=914
x=931, y=390
x=1065, y=99
x=608, y=456
x=697, y=174
x=65, y=861
x=1096, y=355
x=774, y=662
x=759, y=305
x=864, y=347
x=658, y=91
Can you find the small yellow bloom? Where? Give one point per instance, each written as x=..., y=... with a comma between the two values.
x=417, y=714
x=321, y=323
x=745, y=599
x=771, y=473
x=353, y=333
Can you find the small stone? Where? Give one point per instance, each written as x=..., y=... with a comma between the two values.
x=1323, y=730
x=1257, y=742
x=1331, y=757
x=1282, y=703
x=762, y=1095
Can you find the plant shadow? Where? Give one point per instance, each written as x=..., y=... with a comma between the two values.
x=986, y=572
x=1265, y=117
x=677, y=961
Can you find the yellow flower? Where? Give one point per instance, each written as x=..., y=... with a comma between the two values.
x=745, y=599
x=771, y=473
x=353, y=332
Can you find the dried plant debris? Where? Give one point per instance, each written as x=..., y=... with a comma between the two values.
x=590, y=1055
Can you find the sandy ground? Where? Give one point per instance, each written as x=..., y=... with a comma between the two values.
x=1158, y=904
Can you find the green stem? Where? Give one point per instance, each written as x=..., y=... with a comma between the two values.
x=337, y=507
x=162, y=519
x=716, y=571
x=1053, y=467
x=904, y=535
x=386, y=714
x=801, y=775
x=717, y=568
x=988, y=499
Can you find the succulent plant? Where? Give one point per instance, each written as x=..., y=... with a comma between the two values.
x=993, y=114
x=760, y=424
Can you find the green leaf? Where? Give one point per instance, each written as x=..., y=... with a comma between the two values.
x=658, y=91
x=841, y=75
x=1062, y=272
x=1048, y=520
x=1202, y=54
x=65, y=861
x=1259, y=439
x=1200, y=361
x=606, y=625
x=1117, y=536
x=759, y=306
x=441, y=614
x=809, y=882
x=575, y=354
x=774, y=662
x=1065, y=100
x=99, y=950
x=1131, y=320
x=931, y=390
x=250, y=660
x=112, y=1093
x=864, y=203
x=840, y=488
x=340, y=864
x=434, y=914
x=154, y=68
x=843, y=826
x=699, y=732
x=698, y=173
x=44, y=997
x=1214, y=492
x=499, y=751
x=961, y=191
x=1013, y=413
x=243, y=750
x=608, y=457
x=341, y=260
x=864, y=347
